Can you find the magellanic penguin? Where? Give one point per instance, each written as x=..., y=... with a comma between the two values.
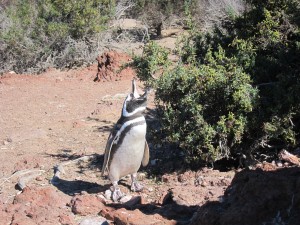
x=126, y=147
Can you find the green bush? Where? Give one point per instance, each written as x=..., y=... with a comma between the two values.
x=206, y=107
x=151, y=63
x=35, y=35
x=236, y=89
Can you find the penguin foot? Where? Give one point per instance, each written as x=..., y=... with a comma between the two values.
x=117, y=194
x=136, y=187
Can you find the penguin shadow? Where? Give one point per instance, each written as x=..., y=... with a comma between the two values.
x=165, y=157
x=69, y=183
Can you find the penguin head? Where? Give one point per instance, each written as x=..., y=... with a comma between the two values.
x=134, y=103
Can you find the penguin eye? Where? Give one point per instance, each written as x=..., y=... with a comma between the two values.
x=131, y=95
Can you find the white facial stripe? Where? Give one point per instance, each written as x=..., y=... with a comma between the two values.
x=126, y=124
x=127, y=114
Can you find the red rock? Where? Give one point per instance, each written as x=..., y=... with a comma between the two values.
x=136, y=217
x=107, y=213
x=38, y=205
x=87, y=205
x=165, y=178
x=65, y=219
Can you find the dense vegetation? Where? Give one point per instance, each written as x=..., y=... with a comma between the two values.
x=235, y=91
x=35, y=35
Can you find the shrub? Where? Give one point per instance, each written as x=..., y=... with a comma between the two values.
x=235, y=89
x=151, y=63
x=37, y=34
x=206, y=107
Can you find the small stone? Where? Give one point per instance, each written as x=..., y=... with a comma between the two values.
x=204, y=183
x=97, y=220
x=198, y=180
x=182, y=178
x=39, y=178
x=165, y=178
x=125, y=198
x=66, y=219
x=150, y=189
x=108, y=213
x=108, y=194
x=132, y=202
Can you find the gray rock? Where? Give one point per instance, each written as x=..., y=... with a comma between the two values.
x=98, y=220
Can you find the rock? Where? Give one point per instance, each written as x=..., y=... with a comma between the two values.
x=39, y=205
x=125, y=199
x=136, y=217
x=182, y=178
x=97, y=220
x=203, y=183
x=132, y=202
x=87, y=205
x=108, y=213
x=39, y=178
x=65, y=219
x=108, y=194
x=198, y=181
x=165, y=178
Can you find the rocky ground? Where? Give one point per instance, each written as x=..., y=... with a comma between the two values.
x=64, y=118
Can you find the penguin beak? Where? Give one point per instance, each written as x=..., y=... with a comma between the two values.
x=145, y=95
x=134, y=89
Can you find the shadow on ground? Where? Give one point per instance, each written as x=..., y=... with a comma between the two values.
x=256, y=197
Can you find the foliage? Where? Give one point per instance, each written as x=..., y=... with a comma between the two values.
x=153, y=60
x=236, y=89
x=37, y=34
x=205, y=107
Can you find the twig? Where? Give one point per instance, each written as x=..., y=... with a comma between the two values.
x=288, y=157
x=19, y=173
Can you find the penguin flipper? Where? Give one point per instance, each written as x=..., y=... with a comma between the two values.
x=146, y=156
x=108, y=147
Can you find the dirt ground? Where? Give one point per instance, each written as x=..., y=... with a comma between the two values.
x=60, y=116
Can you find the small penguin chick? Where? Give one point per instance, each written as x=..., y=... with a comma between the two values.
x=127, y=148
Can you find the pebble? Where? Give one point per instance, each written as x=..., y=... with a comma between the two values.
x=108, y=194
x=39, y=178
x=125, y=198
x=204, y=183
x=99, y=220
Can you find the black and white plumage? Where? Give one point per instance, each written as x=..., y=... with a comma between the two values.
x=127, y=148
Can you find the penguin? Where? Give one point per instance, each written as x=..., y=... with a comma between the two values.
x=126, y=147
